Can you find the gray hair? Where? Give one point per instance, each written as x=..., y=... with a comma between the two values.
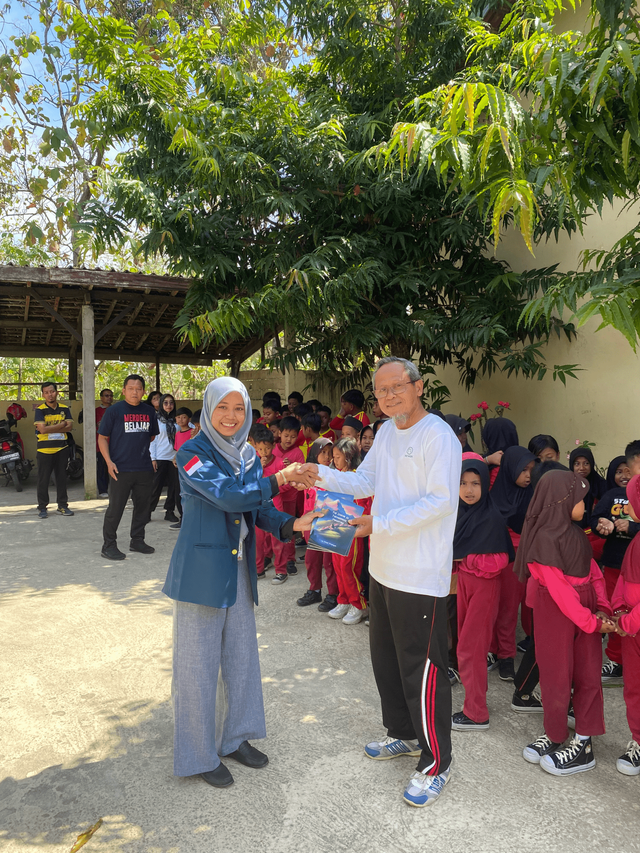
x=410, y=369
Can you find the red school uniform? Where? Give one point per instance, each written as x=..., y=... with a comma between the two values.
x=348, y=569
x=265, y=542
x=292, y=502
x=568, y=646
x=315, y=561
x=181, y=437
x=478, y=600
x=330, y=434
x=337, y=422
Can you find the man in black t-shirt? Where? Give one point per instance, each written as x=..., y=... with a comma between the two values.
x=53, y=424
x=126, y=431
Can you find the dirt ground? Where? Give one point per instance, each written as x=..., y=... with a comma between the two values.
x=85, y=722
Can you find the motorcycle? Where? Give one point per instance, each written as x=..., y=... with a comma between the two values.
x=75, y=465
x=14, y=466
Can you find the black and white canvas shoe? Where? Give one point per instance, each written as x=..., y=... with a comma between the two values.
x=461, y=723
x=576, y=758
x=540, y=747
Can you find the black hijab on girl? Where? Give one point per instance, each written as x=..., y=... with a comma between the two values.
x=611, y=471
x=512, y=500
x=480, y=529
x=499, y=434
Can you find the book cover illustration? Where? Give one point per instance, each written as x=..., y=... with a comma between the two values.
x=332, y=532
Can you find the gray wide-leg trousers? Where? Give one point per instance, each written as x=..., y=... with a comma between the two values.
x=209, y=644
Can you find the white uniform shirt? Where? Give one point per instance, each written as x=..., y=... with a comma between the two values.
x=414, y=474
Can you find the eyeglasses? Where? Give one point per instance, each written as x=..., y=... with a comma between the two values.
x=398, y=388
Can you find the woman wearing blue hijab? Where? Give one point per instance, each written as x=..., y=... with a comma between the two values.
x=213, y=582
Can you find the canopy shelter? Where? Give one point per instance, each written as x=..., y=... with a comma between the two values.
x=96, y=314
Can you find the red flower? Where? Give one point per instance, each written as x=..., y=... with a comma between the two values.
x=503, y=404
x=474, y=417
x=483, y=405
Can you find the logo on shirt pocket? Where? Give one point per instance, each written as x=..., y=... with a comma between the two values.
x=409, y=453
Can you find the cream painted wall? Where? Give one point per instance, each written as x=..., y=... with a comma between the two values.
x=602, y=405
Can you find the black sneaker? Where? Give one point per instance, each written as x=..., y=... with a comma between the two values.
x=292, y=569
x=454, y=675
x=629, y=763
x=300, y=543
x=461, y=723
x=42, y=513
x=576, y=758
x=311, y=596
x=268, y=563
x=523, y=645
x=527, y=703
x=64, y=510
x=506, y=670
x=176, y=525
x=112, y=552
x=492, y=661
x=171, y=516
x=141, y=548
x=538, y=749
x=611, y=673
x=328, y=604
x=261, y=575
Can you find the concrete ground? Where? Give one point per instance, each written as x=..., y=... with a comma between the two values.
x=85, y=722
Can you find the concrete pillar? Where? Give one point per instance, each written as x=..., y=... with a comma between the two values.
x=73, y=374
x=89, y=403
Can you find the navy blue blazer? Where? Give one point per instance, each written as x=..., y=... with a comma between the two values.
x=204, y=563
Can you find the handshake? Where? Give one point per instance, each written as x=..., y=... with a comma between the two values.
x=303, y=476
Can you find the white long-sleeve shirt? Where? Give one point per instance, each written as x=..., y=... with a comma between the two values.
x=161, y=448
x=414, y=474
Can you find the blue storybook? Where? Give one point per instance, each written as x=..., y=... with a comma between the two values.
x=332, y=532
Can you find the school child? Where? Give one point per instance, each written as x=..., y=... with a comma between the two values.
x=570, y=607
x=183, y=432
x=255, y=416
x=581, y=462
x=461, y=428
x=288, y=451
x=545, y=448
x=320, y=453
x=351, y=428
x=311, y=431
x=351, y=403
x=511, y=495
x=195, y=423
x=270, y=412
x=365, y=441
x=524, y=700
x=498, y=434
x=626, y=611
x=612, y=522
x=271, y=464
x=315, y=405
x=325, y=421
x=275, y=429
x=481, y=550
x=632, y=455
x=352, y=605
x=293, y=401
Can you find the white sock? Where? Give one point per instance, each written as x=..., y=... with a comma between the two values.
x=582, y=737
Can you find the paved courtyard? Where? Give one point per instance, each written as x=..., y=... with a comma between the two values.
x=85, y=726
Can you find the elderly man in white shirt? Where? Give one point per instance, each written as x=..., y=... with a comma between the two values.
x=413, y=469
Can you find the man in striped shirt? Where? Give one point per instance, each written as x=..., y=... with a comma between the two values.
x=53, y=424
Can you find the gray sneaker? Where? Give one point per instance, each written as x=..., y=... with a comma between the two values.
x=392, y=747
x=424, y=790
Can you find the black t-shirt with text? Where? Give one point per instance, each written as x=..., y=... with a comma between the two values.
x=130, y=430
x=612, y=506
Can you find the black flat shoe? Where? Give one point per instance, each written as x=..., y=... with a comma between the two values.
x=142, y=548
x=110, y=552
x=249, y=755
x=219, y=778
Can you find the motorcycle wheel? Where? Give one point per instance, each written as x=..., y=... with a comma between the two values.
x=75, y=467
x=16, y=479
